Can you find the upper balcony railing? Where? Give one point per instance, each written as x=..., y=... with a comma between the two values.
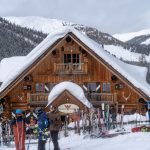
x=94, y=98
x=37, y=97
x=70, y=68
x=102, y=97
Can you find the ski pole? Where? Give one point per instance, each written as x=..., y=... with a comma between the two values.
x=49, y=140
x=29, y=142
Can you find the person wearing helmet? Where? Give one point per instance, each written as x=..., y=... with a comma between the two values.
x=18, y=123
x=42, y=126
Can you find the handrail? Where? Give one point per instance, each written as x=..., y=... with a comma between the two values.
x=70, y=67
x=42, y=97
x=102, y=97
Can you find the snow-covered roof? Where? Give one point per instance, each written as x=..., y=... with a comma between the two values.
x=136, y=75
x=73, y=88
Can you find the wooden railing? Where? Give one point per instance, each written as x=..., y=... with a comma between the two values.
x=70, y=68
x=102, y=97
x=38, y=97
x=92, y=97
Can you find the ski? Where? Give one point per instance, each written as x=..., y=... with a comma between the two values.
x=107, y=116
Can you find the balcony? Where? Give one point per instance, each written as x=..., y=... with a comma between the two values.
x=70, y=68
x=94, y=98
x=37, y=98
x=98, y=98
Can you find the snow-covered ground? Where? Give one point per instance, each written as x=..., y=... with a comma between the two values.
x=131, y=141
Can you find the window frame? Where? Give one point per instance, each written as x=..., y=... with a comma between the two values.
x=106, y=87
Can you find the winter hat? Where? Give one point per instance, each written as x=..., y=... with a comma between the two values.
x=18, y=111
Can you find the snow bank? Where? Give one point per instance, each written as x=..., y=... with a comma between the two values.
x=132, y=118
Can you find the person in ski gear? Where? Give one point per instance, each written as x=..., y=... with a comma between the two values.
x=55, y=125
x=30, y=127
x=42, y=126
x=18, y=124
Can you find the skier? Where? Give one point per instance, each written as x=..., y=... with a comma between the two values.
x=42, y=126
x=55, y=125
x=18, y=124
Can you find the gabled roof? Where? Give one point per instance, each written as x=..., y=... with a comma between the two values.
x=134, y=75
x=73, y=88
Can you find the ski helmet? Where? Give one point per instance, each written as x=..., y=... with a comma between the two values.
x=18, y=111
x=39, y=110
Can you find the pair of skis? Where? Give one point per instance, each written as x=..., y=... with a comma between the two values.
x=106, y=116
x=5, y=134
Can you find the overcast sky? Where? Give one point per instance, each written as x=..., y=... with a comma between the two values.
x=112, y=16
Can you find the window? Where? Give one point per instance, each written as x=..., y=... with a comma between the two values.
x=39, y=87
x=71, y=58
x=67, y=58
x=49, y=87
x=92, y=90
x=75, y=58
x=92, y=87
x=106, y=87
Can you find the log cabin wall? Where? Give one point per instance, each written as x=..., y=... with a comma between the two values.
x=54, y=70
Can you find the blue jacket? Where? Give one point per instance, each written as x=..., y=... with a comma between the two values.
x=43, y=123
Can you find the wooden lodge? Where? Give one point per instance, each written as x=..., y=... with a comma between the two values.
x=70, y=58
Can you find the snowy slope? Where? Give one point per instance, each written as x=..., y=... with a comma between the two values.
x=128, y=36
x=122, y=53
x=125, y=54
x=38, y=23
x=49, y=25
x=146, y=42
